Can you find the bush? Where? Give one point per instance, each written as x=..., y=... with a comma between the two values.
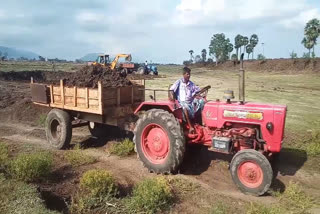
x=78, y=158
x=97, y=189
x=98, y=182
x=4, y=154
x=29, y=167
x=261, y=57
x=151, y=195
x=122, y=149
x=293, y=55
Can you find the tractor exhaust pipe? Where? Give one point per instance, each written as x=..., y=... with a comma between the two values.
x=241, y=81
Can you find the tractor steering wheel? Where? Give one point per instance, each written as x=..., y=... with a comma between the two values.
x=203, y=92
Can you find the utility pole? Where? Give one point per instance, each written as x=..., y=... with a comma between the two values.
x=262, y=48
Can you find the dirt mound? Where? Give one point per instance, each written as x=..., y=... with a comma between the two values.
x=38, y=76
x=89, y=76
x=273, y=65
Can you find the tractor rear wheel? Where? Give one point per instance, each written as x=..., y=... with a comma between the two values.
x=159, y=141
x=251, y=172
x=58, y=128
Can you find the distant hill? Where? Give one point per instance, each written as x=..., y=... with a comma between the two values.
x=16, y=53
x=90, y=57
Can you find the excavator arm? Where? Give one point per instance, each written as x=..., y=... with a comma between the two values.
x=115, y=61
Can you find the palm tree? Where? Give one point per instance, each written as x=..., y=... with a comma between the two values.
x=244, y=43
x=230, y=48
x=253, y=42
x=237, y=43
x=204, y=55
x=191, y=56
x=311, y=31
x=307, y=43
x=249, y=49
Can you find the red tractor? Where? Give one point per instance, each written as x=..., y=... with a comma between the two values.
x=251, y=132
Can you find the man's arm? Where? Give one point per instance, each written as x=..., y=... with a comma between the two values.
x=175, y=86
x=195, y=89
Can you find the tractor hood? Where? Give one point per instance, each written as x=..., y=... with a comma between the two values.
x=249, y=112
x=270, y=118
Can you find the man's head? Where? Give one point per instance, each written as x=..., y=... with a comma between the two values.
x=186, y=72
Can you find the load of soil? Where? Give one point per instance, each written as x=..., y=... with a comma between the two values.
x=89, y=76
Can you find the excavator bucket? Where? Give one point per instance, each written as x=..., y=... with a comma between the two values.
x=128, y=58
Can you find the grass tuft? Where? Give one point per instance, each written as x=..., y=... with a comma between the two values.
x=42, y=120
x=151, y=195
x=29, y=167
x=255, y=208
x=312, y=145
x=124, y=148
x=19, y=197
x=78, y=158
x=295, y=199
x=4, y=154
x=219, y=208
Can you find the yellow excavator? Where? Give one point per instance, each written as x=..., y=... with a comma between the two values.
x=126, y=67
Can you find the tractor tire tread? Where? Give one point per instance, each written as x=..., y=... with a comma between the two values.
x=64, y=118
x=178, y=144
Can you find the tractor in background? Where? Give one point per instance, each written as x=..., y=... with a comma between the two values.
x=126, y=67
x=251, y=132
x=149, y=69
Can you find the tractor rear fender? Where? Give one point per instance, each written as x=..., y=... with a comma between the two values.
x=164, y=105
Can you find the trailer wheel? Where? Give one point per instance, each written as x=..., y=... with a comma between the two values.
x=58, y=128
x=159, y=141
x=97, y=129
x=251, y=172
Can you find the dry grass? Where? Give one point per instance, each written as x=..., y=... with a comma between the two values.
x=78, y=158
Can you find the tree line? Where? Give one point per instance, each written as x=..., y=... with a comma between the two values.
x=220, y=47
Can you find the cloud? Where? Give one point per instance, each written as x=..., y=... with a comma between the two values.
x=215, y=12
x=161, y=30
x=301, y=19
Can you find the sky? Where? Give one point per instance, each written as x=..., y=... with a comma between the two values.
x=154, y=30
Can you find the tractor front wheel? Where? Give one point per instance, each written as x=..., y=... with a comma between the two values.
x=159, y=141
x=251, y=172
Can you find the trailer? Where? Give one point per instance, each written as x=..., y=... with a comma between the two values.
x=77, y=106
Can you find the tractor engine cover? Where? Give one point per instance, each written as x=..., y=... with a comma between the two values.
x=221, y=143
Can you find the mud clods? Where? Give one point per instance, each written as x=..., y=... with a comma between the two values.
x=87, y=76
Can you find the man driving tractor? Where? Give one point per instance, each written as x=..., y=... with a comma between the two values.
x=186, y=92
